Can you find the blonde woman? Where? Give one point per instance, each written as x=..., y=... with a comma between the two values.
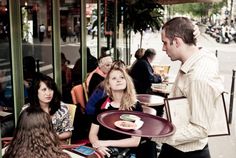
x=121, y=96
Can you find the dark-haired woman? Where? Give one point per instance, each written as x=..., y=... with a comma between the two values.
x=34, y=137
x=45, y=95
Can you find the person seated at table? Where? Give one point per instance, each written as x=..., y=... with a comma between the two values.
x=138, y=55
x=34, y=137
x=66, y=75
x=77, y=69
x=121, y=96
x=45, y=95
x=143, y=74
x=98, y=75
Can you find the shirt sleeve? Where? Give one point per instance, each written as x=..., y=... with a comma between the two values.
x=153, y=78
x=66, y=123
x=202, y=98
x=98, y=110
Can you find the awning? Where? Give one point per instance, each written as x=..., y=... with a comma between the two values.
x=164, y=2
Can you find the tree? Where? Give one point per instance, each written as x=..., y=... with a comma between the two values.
x=141, y=15
x=199, y=9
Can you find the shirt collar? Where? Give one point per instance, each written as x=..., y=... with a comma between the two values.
x=188, y=64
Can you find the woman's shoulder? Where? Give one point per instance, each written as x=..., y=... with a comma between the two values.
x=63, y=109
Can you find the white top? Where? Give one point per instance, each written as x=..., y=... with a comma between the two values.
x=42, y=28
x=199, y=81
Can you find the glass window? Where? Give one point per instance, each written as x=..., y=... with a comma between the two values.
x=36, y=37
x=36, y=40
x=6, y=98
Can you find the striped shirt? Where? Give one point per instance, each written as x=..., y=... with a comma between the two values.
x=199, y=81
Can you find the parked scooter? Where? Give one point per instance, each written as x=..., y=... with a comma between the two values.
x=227, y=35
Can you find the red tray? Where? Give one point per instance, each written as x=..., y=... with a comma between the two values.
x=153, y=126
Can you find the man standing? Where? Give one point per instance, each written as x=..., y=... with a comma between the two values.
x=41, y=32
x=199, y=81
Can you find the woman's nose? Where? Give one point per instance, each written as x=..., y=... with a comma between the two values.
x=48, y=92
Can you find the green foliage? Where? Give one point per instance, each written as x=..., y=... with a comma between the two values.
x=142, y=15
x=198, y=9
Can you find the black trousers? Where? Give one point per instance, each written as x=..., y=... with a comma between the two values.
x=168, y=151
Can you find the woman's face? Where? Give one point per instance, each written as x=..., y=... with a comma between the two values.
x=117, y=81
x=45, y=94
x=105, y=64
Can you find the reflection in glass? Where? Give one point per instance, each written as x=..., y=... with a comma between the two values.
x=6, y=98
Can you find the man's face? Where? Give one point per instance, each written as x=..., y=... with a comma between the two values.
x=169, y=47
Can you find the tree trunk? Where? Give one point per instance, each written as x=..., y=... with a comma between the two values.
x=141, y=39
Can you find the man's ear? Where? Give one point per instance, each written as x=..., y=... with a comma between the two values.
x=177, y=41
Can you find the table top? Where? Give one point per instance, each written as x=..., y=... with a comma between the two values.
x=153, y=126
x=74, y=155
x=164, y=88
x=150, y=100
x=5, y=115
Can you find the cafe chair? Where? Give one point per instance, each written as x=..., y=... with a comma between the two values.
x=6, y=141
x=72, y=110
x=149, y=110
x=79, y=95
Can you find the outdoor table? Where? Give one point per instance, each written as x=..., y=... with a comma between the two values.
x=75, y=155
x=69, y=152
x=150, y=100
x=163, y=89
x=153, y=126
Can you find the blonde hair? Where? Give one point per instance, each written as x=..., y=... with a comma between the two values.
x=129, y=97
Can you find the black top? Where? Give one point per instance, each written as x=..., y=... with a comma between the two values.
x=143, y=76
x=105, y=133
x=95, y=80
x=77, y=69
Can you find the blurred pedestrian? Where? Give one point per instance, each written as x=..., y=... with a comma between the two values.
x=41, y=32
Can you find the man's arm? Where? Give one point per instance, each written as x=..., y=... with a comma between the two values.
x=201, y=97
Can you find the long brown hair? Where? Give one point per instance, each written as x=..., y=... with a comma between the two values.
x=129, y=97
x=34, y=137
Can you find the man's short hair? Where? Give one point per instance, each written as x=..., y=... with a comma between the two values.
x=180, y=27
